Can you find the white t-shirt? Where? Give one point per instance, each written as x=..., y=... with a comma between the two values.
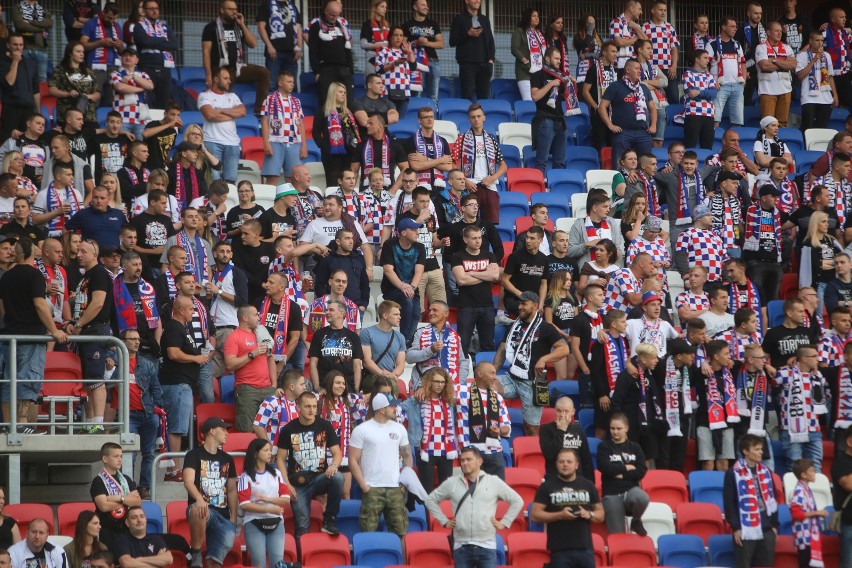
x=380, y=445
x=638, y=333
x=406, y=204
x=821, y=95
x=220, y=132
x=322, y=232
x=717, y=324
x=7, y=209
x=775, y=82
x=40, y=203
x=140, y=205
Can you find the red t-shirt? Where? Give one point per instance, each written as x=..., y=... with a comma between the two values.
x=135, y=390
x=256, y=372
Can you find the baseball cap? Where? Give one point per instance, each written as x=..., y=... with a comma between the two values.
x=650, y=296
x=285, y=189
x=108, y=250
x=679, y=346
x=769, y=189
x=382, y=400
x=529, y=297
x=725, y=176
x=408, y=223
x=212, y=422
x=8, y=238
x=187, y=145
x=652, y=223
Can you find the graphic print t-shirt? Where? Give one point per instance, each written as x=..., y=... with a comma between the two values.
x=212, y=472
x=306, y=447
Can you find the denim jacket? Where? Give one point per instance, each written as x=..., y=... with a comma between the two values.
x=415, y=422
x=149, y=382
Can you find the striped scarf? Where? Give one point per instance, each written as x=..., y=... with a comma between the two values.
x=201, y=314
x=438, y=430
x=115, y=485
x=339, y=413
x=369, y=159
x=798, y=404
x=448, y=358
x=615, y=357
x=673, y=395
x=734, y=297
x=572, y=102
x=606, y=77
x=428, y=176
x=640, y=106
x=535, y=43
x=158, y=29
x=55, y=300
x=100, y=58
x=180, y=185
x=649, y=185
x=684, y=214
x=592, y=232
x=420, y=68
x=280, y=336
x=721, y=406
x=646, y=397
x=596, y=323
x=196, y=261
x=727, y=214
x=844, y=399
x=56, y=226
x=806, y=533
x=753, y=404
x=125, y=307
x=468, y=153
x=817, y=84
x=170, y=283
x=224, y=60
x=837, y=45
x=134, y=177
x=747, y=486
x=380, y=32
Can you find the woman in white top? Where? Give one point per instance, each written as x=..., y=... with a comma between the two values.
x=262, y=494
x=601, y=268
x=768, y=146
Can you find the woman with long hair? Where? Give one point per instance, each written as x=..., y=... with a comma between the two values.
x=70, y=242
x=336, y=133
x=393, y=63
x=336, y=405
x=560, y=308
x=72, y=81
x=134, y=17
x=587, y=44
x=206, y=161
x=819, y=250
x=384, y=385
x=245, y=209
x=110, y=182
x=13, y=163
x=9, y=532
x=438, y=445
x=86, y=532
x=375, y=34
x=628, y=165
x=262, y=495
x=601, y=268
x=528, y=47
x=554, y=36
x=634, y=215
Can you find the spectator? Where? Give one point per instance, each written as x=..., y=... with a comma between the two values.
x=113, y=493
x=246, y=208
x=585, y=234
x=374, y=101
x=283, y=130
x=278, y=410
x=549, y=88
x=633, y=120
x=302, y=447
x=198, y=253
x=136, y=306
x=394, y=62
x=475, y=271
x=841, y=475
x=674, y=374
x=491, y=240
x=282, y=318
x=377, y=447
x=35, y=550
x=775, y=62
x=528, y=49
x=33, y=22
x=650, y=328
x=426, y=38
x=279, y=27
x=475, y=526
x=717, y=409
x=20, y=86
x=748, y=484
x=762, y=248
x=728, y=64
x=20, y=227
x=524, y=272
x=76, y=15
x=666, y=46
x=262, y=494
x=403, y=260
x=818, y=252
x=101, y=38
x=330, y=50
x=224, y=43
x=800, y=429
x=316, y=317
x=186, y=183
x=570, y=544
x=701, y=90
x=437, y=346
x=473, y=38
x=656, y=80
x=379, y=150
x=743, y=164
x=822, y=92
x=601, y=74
x=744, y=333
x=98, y=221
x=768, y=146
x=33, y=143
x=336, y=347
x=565, y=433
x=153, y=228
x=530, y=344
x=56, y=280
x=625, y=30
x=382, y=345
x=624, y=288
x=838, y=291
x=156, y=41
x=422, y=212
x=837, y=186
x=130, y=85
x=750, y=36
x=110, y=149
x=321, y=231
x=622, y=466
x=466, y=156
x=806, y=526
x=430, y=156
x=362, y=207
x=74, y=84
x=210, y=481
x=137, y=545
x=837, y=43
x=587, y=43
x=344, y=259
x=718, y=318
x=336, y=130
x=133, y=176
x=160, y=135
x=338, y=405
x=251, y=361
x=61, y=154
x=701, y=246
x=278, y=220
x=221, y=109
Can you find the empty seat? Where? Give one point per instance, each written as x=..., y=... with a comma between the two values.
x=631, y=550
x=247, y=126
x=526, y=452
x=525, y=481
x=324, y=551
x=583, y=158
x=511, y=155
x=67, y=513
x=513, y=205
x=793, y=138
x=818, y=138
x=525, y=180
x=347, y=518
x=682, y=550
x=518, y=134
x=775, y=312
x=525, y=111
x=706, y=487
x=405, y=128
x=376, y=549
x=701, y=519
x=428, y=548
x=566, y=182
x=447, y=129
x=24, y=513
x=599, y=178
x=454, y=110
x=176, y=518
x=658, y=520
x=721, y=549
x=666, y=486
x=528, y=549
x=600, y=549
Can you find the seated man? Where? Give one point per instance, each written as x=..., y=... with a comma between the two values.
x=373, y=102
x=35, y=550
x=137, y=547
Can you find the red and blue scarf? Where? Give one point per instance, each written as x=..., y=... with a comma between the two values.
x=280, y=336
x=125, y=307
x=196, y=263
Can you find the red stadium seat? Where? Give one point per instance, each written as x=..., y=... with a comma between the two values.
x=606, y=157
x=701, y=519
x=779, y=488
x=789, y=286
x=600, y=548
x=666, y=486
x=253, y=149
x=290, y=548
x=176, y=519
x=24, y=513
x=525, y=481
x=315, y=522
x=428, y=549
x=525, y=180
x=518, y=525
x=238, y=442
x=528, y=549
x=324, y=551
x=67, y=513
x=179, y=559
x=631, y=550
x=524, y=223
x=227, y=412
x=827, y=457
x=507, y=250
x=831, y=550
x=308, y=121
x=786, y=555
x=526, y=452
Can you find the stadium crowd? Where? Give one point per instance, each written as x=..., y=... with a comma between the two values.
x=380, y=332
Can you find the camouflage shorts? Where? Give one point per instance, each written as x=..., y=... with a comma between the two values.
x=387, y=500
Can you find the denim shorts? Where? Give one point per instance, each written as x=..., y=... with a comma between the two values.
x=219, y=535
x=177, y=400
x=30, y=360
x=514, y=388
x=284, y=156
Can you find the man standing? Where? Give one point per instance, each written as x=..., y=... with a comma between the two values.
x=775, y=62
x=157, y=44
x=750, y=36
x=762, y=246
x=98, y=222
x=625, y=30
x=186, y=182
x=35, y=550
x=665, y=43
x=437, y=345
x=113, y=493
x=139, y=546
x=129, y=86
x=821, y=95
x=278, y=24
x=380, y=150
x=276, y=411
x=110, y=147
x=624, y=289
x=282, y=318
x=101, y=38
x=782, y=342
x=136, y=306
x=59, y=201
x=602, y=74
x=336, y=347
x=428, y=152
x=56, y=280
x=432, y=284
x=153, y=228
x=728, y=65
x=802, y=401
x=210, y=479
x=483, y=417
x=475, y=271
x=717, y=411
x=403, y=261
x=700, y=246
x=633, y=118
x=285, y=141
x=160, y=136
x=20, y=84
x=316, y=314
x=133, y=176
x=199, y=257
x=838, y=42
x=224, y=43
x=377, y=447
x=253, y=367
x=424, y=33
x=838, y=291
x=373, y=102
x=33, y=22
x=473, y=38
x=524, y=272
x=565, y=433
x=221, y=109
x=26, y=312
x=253, y=256
x=33, y=147
x=548, y=92
x=303, y=445
x=478, y=155
x=330, y=50
x=474, y=496
x=229, y=289
x=344, y=259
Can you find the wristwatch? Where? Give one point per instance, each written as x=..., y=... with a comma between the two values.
x=251, y=355
x=219, y=292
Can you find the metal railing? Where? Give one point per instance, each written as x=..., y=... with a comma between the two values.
x=169, y=455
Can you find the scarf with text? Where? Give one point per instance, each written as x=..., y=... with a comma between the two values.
x=448, y=358
x=277, y=25
x=224, y=60
x=468, y=153
x=640, y=105
x=115, y=485
x=789, y=199
x=134, y=177
x=596, y=322
x=818, y=76
x=339, y=413
x=100, y=58
x=736, y=302
x=380, y=31
x=482, y=414
x=701, y=42
x=844, y=398
x=615, y=352
x=721, y=405
x=751, y=399
x=535, y=43
x=677, y=396
x=806, y=533
x=158, y=29
x=32, y=13
x=646, y=397
x=572, y=102
x=196, y=256
x=748, y=485
x=55, y=300
x=519, y=346
x=280, y=337
x=684, y=214
x=727, y=214
x=592, y=233
x=369, y=159
x=798, y=403
x=438, y=430
x=170, y=283
x=420, y=146
x=201, y=314
x=56, y=226
x=125, y=307
x=329, y=31
x=184, y=198
x=649, y=186
x=837, y=45
x=607, y=75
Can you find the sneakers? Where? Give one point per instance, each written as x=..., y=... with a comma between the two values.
x=503, y=319
x=195, y=559
x=96, y=429
x=329, y=527
x=144, y=493
x=30, y=431
x=175, y=476
x=637, y=527
x=282, y=564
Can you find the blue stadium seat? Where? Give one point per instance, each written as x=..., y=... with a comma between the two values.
x=191, y=117
x=805, y=159
x=376, y=549
x=674, y=133
x=310, y=103
x=496, y=111
x=662, y=155
x=484, y=357
x=347, y=518
x=557, y=205
x=190, y=74
x=241, y=89
x=405, y=128
x=512, y=155
x=839, y=113
x=593, y=448
x=748, y=134
x=706, y=487
x=531, y=524
x=417, y=521
x=785, y=519
x=583, y=158
x=582, y=135
x=576, y=120
x=775, y=311
x=249, y=97
x=416, y=103
x=586, y=417
x=562, y=387
x=314, y=154
x=507, y=452
x=682, y=550
x=671, y=112
x=751, y=118
x=505, y=89
x=101, y=114
x=524, y=111
x=226, y=389
x=721, y=550
x=566, y=182
x=507, y=234
x=514, y=201
x=154, y=515
x=247, y=126
x=718, y=133
x=307, y=82
x=501, y=551
x=793, y=138
x=516, y=417
x=358, y=79
x=197, y=85
x=454, y=110
x=529, y=158
x=702, y=154
x=445, y=88
x=779, y=456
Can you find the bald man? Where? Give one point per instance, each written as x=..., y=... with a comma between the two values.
x=55, y=278
x=565, y=432
x=483, y=418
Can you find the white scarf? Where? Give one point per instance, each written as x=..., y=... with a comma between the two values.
x=519, y=346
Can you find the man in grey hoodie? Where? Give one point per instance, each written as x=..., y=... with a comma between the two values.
x=474, y=496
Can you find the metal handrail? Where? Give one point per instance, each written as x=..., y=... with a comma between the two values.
x=168, y=455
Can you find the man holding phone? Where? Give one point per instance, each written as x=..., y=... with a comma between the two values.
x=471, y=35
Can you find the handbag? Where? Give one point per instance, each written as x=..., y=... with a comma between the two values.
x=82, y=103
x=541, y=394
x=835, y=521
x=267, y=525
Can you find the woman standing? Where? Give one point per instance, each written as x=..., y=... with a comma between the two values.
x=86, y=532
x=9, y=531
x=560, y=308
x=393, y=63
x=336, y=133
x=74, y=85
x=555, y=36
x=819, y=249
x=70, y=242
x=587, y=44
x=528, y=47
x=246, y=209
x=262, y=494
x=601, y=268
x=374, y=35
x=336, y=405
x=206, y=161
x=437, y=437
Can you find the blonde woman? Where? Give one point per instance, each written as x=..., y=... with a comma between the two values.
x=560, y=308
x=374, y=34
x=336, y=132
x=206, y=162
x=13, y=163
x=110, y=181
x=819, y=250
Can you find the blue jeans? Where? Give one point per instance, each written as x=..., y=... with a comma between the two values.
x=284, y=61
x=550, y=140
x=205, y=383
x=230, y=158
x=177, y=402
x=731, y=94
x=147, y=426
x=572, y=559
x=409, y=311
x=432, y=82
x=135, y=129
x=219, y=534
x=812, y=449
x=472, y=556
x=262, y=545
x=820, y=290
x=30, y=360
x=846, y=546
x=39, y=59
x=638, y=140
x=319, y=485
x=297, y=358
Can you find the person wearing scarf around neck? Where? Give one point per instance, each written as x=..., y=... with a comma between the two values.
x=60, y=201
x=650, y=328
x=726, y=210
x=701, y=90
x=587, y=43
x=807, y=525
x=606, y=361
x=330, y=50
x=748, y=494
x=753, y=385
x=675, y=374
x=381, y=150
x=655, y=78
x=693, y=301
x=280, y=30
x=113, y=494
x=768, y=146
x=429, y=155
x=186, y=182
x=602, y=72
x=625, y=30
x=701, y=37
x=838, y=291
x=628, y=111
x=550, y=88
x=816, y=267
x=716, y=412
x=198, y=251
x=156, y=43
x=819, y=93
x=101, y=38
x=750, y=34
x=775, y=62
x=527, y=47
x=395, y=63
x=802, y=403
x=837, y=44
x=375, y=33
x=762, y=246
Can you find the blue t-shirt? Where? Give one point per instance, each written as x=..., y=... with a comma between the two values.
x=103, y=227
x=377, y=340
x=113, y=59
x=404, y=261
x=622, y=104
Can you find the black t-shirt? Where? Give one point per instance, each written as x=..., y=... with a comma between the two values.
x=270, y=322
x=424, y=237
x=160, y=145
x=230, y=37
x=109, y=154
x=397, y=154
x=82, y=143
x=428, y=29
x=490, y=238
x=87, y=169
x=290, y=19
x=555, y=263
x=623, y=108
x=307, y=446
x=404, y=262
x=237, y=216
x=336, y=350
x=801, y=217
x=114, y=521
x=477, y=295
x=527, y=270
x=29, y=231
x=841, y=467
x=564, y=313
x=781, y=343
x=543, y=340
x=129, y=545
x=255, y=262
x=410, y=147
x=212, y=472
x=795, y=32
x=556, y=495
x=581, y=328
x=176, y=334
x=96, y=279
x=272, y=223
x=153, y=231
x=537, y=81
x=22, y=284
x=609, y=74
